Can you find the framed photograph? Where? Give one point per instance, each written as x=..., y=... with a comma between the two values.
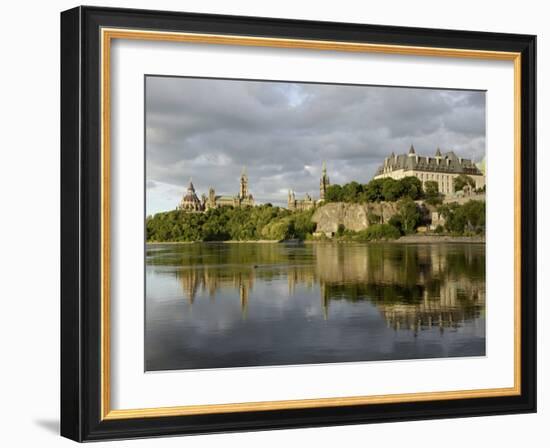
x=272, y=223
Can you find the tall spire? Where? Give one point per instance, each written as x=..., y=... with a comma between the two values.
x=438, y=152
x=243, y=188
x=324, y=182
x=412, y=152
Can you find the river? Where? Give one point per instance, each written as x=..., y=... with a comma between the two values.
x=215, y=305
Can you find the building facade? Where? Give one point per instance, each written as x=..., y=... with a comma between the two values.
x=299, y=204
x=308, y=202
x=440, y=168
x=191, y=203
x=242, y=199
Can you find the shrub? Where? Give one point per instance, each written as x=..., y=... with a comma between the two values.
x=373, y=218
x=396, y=222
x=378, y=232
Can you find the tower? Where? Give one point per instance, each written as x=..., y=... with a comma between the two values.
x=211, y=201
x=324, y=183
x=243, y=189
x=291, y=203
x=438, y=155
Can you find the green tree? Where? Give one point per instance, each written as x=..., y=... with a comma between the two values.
x=392, y=189
x=431, y=192
x=469, y=217
x=455, y=220
x=412, y=187
x=396, y=221
x=351, y=191
x=474, y=212
x=462, y=180
x=290, y=230
x=409, y=214
x=334, y=193
x=373, y=190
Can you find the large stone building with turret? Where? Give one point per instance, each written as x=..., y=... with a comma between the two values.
x=242, y=199
x=191, y=203
x=442, y=168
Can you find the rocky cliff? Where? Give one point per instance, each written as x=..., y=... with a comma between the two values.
x=354, y=217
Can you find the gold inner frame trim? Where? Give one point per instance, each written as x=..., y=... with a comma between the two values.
x=107, y=35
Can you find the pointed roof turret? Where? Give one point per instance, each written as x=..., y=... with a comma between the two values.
x=191, y=187
x=412, y=152
x=438, y=152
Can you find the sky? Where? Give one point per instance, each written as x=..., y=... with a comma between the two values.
x=207, y=130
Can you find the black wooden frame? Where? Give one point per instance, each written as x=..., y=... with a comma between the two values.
x=80, y=223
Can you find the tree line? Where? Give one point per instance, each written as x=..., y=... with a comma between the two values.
x=267, y=222
x=391, y=190
x=376, y=190
x=468, y=218
x=229, y=223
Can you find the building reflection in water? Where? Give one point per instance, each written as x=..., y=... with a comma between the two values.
x=415, y=287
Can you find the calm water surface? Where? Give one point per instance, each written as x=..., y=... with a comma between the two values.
x=212, y=305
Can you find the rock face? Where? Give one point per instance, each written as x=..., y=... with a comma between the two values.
x=354, y=217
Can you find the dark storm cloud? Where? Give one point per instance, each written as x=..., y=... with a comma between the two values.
x=209, y=129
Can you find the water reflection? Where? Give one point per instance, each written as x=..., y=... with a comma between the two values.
x=412, y=289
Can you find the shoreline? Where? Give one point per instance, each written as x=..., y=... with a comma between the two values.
x=407, y=239
x=415, y=239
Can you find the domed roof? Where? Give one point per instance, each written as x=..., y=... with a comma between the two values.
x=190, y=198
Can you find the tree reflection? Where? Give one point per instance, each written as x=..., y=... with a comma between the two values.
x=414, y=287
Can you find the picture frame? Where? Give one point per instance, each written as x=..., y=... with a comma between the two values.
x=86, y=37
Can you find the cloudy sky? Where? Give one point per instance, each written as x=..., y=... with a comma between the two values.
x=208, y=129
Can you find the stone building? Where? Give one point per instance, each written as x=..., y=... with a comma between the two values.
x=441, y=168
x=308, y=203
x=299, y=204
x=242, y=199
x=190, y=201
